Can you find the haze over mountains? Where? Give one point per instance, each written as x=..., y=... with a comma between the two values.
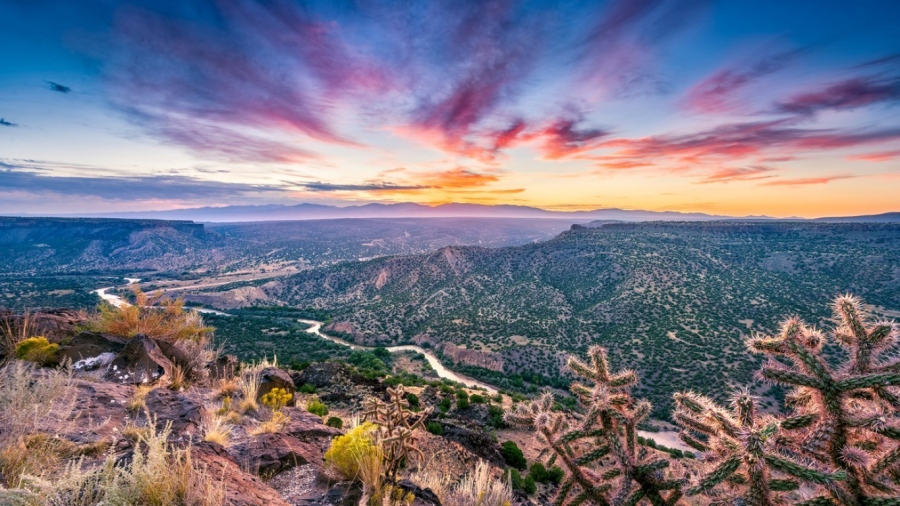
x=308, y=211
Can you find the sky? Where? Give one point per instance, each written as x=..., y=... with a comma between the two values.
x=734, y=107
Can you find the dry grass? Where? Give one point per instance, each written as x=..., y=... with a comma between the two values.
x=160, y=318
x=138, y=401
x=13, y=330
x=27, y=399
x=227, y=387
x=478, y=488
x=178, y=380
x=217, y=429
x=158, y=475
x=249, y=385
x=274, y=424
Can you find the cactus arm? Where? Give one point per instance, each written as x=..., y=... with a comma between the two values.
x=718, y=475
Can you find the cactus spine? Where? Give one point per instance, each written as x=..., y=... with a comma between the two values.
x=856, y=405
x=608, y=427
x=743, y=449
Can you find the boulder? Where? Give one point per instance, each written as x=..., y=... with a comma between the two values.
x=184, y=413
x=424, y=496
x=241, y=489
x=478, y=442
x=273, y=377
x=88, y=345
x=98, y=413
x=269, y=454
x=306, y=426
x=140, y=361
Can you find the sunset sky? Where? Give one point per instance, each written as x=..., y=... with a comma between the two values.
x=737, y=107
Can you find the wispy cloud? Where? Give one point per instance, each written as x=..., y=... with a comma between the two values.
x=878, y=156
x=806, y=181
x=845, y=95
x=5, y=123
x=319, y=186
x=719, y=92
x=58, y=87
x=738, y=174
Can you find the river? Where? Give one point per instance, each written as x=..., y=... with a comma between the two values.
x=666, y=438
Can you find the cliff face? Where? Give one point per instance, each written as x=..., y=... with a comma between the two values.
x=83, y=244
x=472, y=357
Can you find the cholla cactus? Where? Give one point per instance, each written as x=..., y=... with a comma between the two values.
x=396, y=428
x=856, y=405
x=607, y=428
x=744, y=450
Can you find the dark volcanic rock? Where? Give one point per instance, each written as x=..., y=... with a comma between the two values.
x=337, y=385
x=424, y=496
x=478, y=442
x=90, y=345
x=306, y=426
x=141, y=361
x=241, y=489
x=267, y=454
x=273, y=377
x=341, y=494
x=184, y=413
x=98, y=410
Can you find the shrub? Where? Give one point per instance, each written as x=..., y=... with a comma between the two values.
x=538, y=472
x=317, y=407
x=477, y=399
x=217, y=430
x=528, y=486
x=445, y=404
x=335, y=422
x=435, y=428
x=37, y=349
x=495, y=417
x=555, y=475
x=462, y=402
x=276, y=399
x=347, y=451
x=274, y=424
x=413, y=400
x=162, y=318
x=477, y=488
x=514, y=478
x=307, y=388
x=512, y=455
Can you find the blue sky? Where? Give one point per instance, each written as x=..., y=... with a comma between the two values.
x=731, y=107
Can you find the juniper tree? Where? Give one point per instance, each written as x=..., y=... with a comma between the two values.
x=855, y=405
x=599, y=450
x=744, y=450
x=397, y=425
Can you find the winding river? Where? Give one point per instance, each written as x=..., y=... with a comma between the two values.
x=666, y=438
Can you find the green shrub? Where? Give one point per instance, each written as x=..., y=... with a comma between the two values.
x=538, y=472
x=435, y=428
x=495, y=417
x=512, y=455
x=462, y=403
x=555, y=475
x=529, y=487
x=335, y=422
x=307, y=388
x=348, y=450
x=413, y=401
x=37, y=349
x=445, y=404
x=515, y=479
x=477, y=399
x=317, y=407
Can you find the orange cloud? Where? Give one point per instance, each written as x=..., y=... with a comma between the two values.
x=882, y=156
x=806, y=181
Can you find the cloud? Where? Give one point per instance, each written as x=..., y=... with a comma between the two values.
x=564, y=138
x=880, y=156
x=717, y=93
x=3, y=122
x=319, y=186
x=740, y=141
x=806, y=181
x=456, y=179
x=58, y=87
x=738, y=174
x=21, y=177
x=845, y=95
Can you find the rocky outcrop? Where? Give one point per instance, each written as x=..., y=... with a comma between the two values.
x=223, y=367
x=306, y=426
x=477, y=358
x=241, y=488
x=273, y=377
x=268, y=454
x=338, y=385
x=87, y=345
x=183, y=412
x=140, y=361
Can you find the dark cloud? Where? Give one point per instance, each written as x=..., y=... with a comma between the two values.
x=845, y=95
x=18, y=177
x=319, y=186
x=58, y=87
x=3, y=122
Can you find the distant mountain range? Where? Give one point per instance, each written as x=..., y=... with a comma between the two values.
x=406, y=210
